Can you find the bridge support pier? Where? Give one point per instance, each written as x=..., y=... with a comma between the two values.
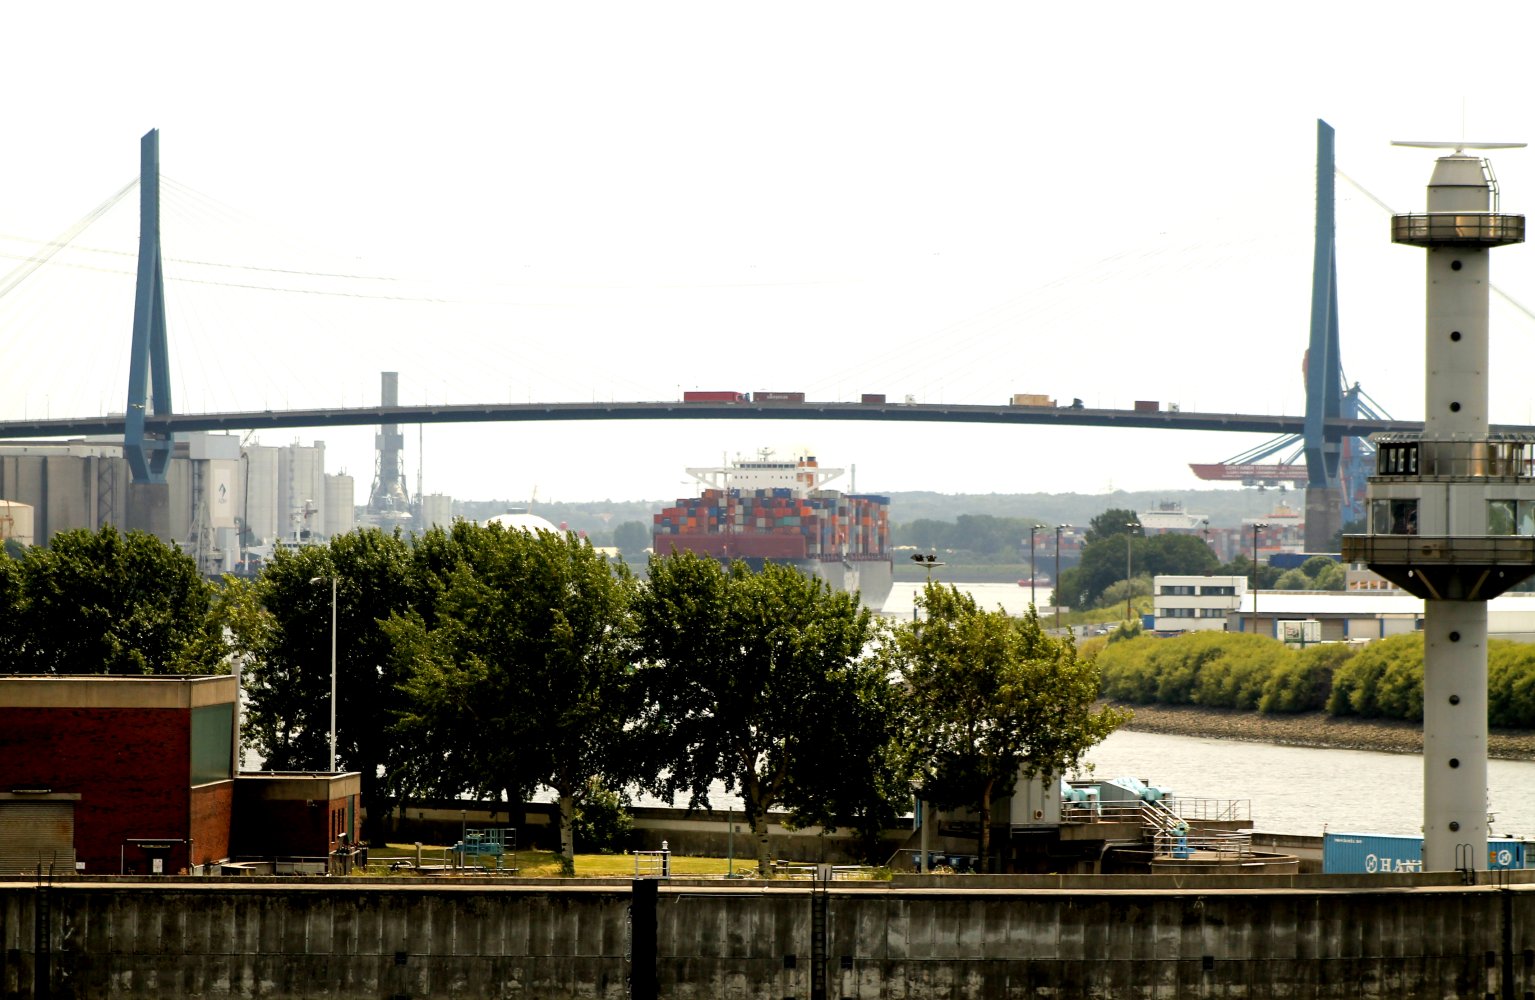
x=1324, y=517
x=149, y=509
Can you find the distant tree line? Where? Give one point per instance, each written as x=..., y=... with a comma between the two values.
x=1379, y=680
x=1099, y=579
x=491, y=662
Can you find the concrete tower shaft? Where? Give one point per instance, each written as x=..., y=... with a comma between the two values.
x=1455, y=380
x=389, y=495
x=1452, y=513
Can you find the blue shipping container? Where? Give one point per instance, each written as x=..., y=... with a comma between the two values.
x=1379, y=854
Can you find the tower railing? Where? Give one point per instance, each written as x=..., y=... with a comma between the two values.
x=1498, y=456
x=1439, y=229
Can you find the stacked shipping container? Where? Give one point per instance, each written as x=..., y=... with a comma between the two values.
x=777, y=524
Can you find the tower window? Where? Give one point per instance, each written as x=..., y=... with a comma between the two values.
x=1394, y=517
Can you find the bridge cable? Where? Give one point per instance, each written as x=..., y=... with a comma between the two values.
x=37, y=260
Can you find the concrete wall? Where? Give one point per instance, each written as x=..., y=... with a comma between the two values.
x=954, y=938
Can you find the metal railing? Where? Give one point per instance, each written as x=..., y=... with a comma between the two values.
x=1134, y=811
x=653, y=864
x=806, y=871
x=1457, y=229
x=1496, y=456
x=1215, y=845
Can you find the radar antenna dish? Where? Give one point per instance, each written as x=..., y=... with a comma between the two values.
x=1459, y=145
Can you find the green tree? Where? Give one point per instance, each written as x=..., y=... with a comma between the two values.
x=522, y=680
x=631, y=538
x=1174, y=554
x=1330, y=577
x=282, y=627
x=759, y=681
x=602, y=821
x=108, y=603
x=1293, y=579
x=989, y=697
x=10, y=614
x=1114, y=521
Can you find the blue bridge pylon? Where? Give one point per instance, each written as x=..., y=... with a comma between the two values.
x=149, y=370
x=1336, y=466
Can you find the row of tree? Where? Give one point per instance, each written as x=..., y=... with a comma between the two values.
x=487, y=662
x=1255, y=673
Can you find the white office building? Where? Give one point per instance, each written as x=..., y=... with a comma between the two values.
x=1196, y=603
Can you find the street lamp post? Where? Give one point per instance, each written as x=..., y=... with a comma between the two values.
x=1058, y=528
x=1257, y=525
x=321, y=579
x=929, y=561
x=1129, y=539
x=1032, y=529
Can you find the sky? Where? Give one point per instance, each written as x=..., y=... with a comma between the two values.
x=561, y=202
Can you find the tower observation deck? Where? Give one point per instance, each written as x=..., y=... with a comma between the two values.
x=1452, y=511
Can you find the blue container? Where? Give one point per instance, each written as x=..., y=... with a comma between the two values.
x=1380, y=854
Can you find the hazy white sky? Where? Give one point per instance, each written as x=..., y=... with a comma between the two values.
x=1110, y=201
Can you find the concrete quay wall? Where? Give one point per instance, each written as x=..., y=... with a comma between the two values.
x=1130, y=937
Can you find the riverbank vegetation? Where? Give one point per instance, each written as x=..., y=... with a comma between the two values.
x=1378, y=680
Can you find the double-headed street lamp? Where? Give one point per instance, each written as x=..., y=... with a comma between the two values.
x=1257, y=525
x=1032, y=529
x=321, y=579
x=1058, y=528
x=929, y=560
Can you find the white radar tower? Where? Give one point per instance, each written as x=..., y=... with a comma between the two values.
x=1452, y=511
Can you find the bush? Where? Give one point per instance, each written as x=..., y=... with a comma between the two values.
x=1383, y=680
x=602, y=824
x=1216, y=669
x=1124, y=671
x=1511, y=684
x=1232, y=672
x=1302, y=682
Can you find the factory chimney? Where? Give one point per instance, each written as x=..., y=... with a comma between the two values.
x=389, y=495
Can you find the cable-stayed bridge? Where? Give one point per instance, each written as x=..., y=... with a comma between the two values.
x=150, y=422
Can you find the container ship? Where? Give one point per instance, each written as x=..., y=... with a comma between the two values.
x=771, y=510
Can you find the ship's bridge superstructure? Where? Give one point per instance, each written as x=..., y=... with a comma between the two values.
x=1452, y=511
x=802, y=475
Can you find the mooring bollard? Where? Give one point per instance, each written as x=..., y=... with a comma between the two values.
x=666, y=861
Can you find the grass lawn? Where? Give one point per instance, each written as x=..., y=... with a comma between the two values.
x=546, y=864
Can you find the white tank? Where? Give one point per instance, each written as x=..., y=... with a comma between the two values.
x=340, y=505
x=260, y=490
x=15, y=522
x=436, y=509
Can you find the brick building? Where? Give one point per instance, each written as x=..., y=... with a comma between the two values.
x=112, y=774
x=301, y=817
x=137, y=775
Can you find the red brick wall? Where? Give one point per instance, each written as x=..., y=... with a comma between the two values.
x=130, y=766
x=290, y=827
x=212, y=807
x=281, y=828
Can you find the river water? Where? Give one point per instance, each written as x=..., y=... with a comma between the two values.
x=1300, y=790
x=1295, y=790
